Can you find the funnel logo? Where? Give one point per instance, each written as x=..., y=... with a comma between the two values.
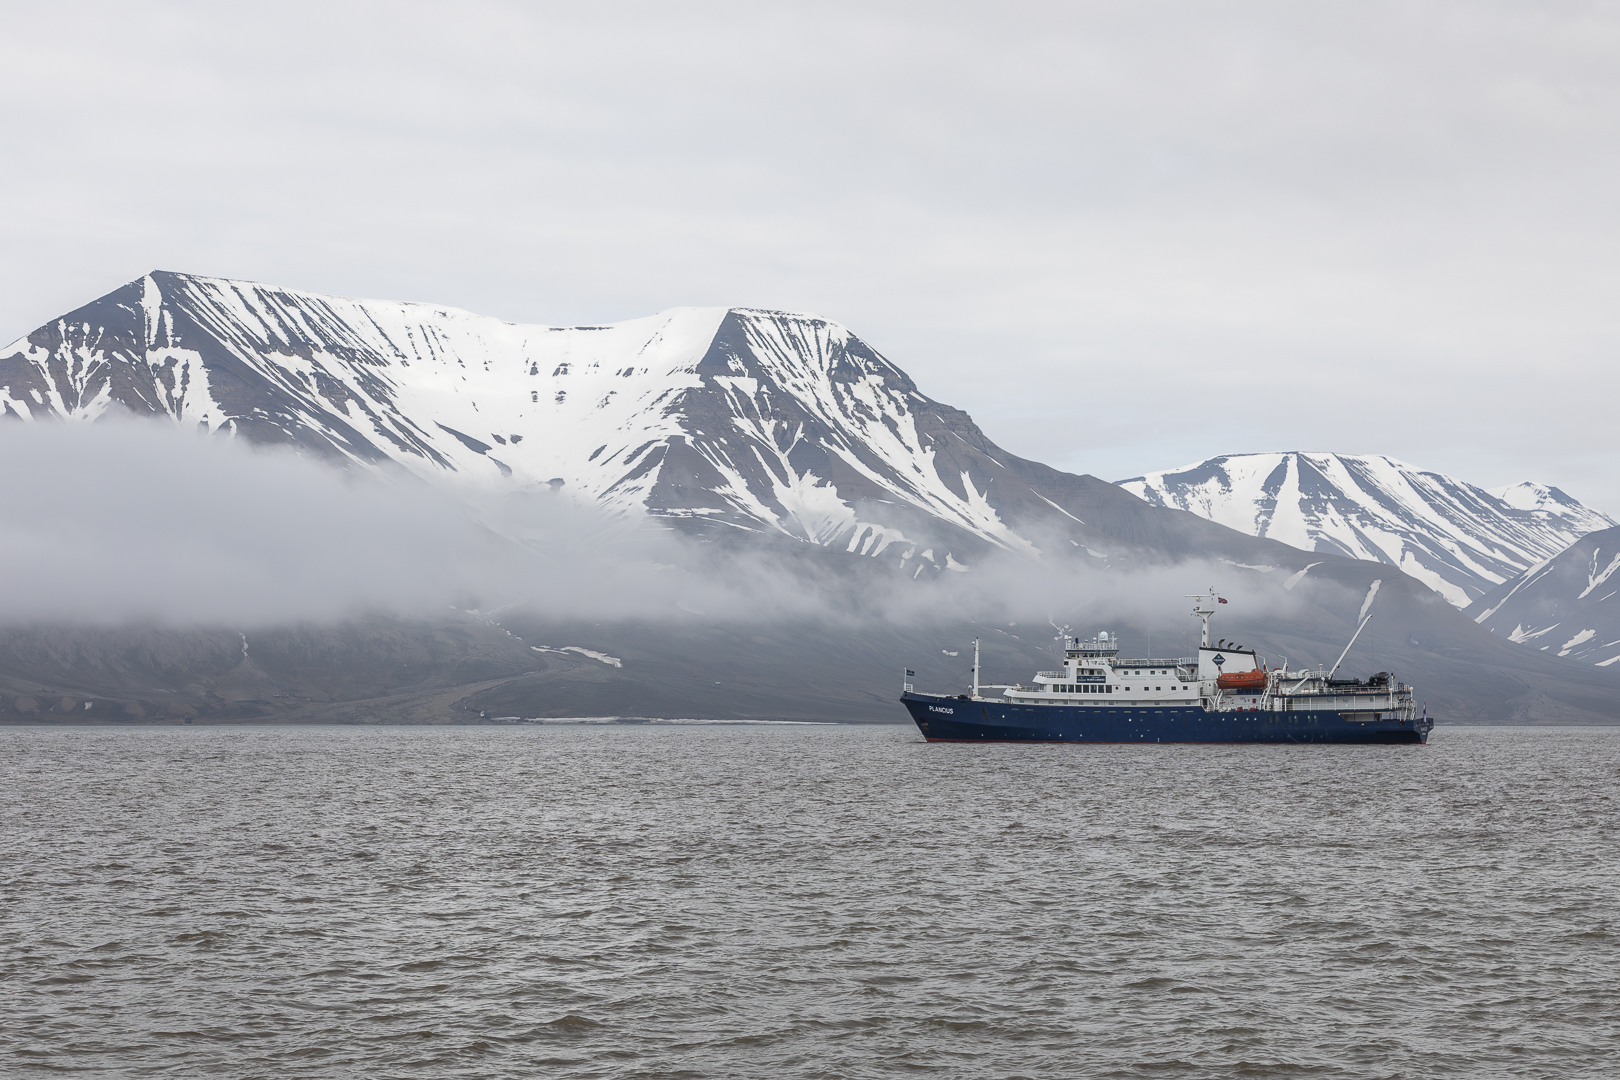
x=1219, y=659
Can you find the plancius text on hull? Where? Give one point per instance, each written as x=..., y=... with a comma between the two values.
x=1222, y=695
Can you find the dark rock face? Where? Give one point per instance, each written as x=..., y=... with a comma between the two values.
x=153, y=348
x=157, y=675
x=1568, y=605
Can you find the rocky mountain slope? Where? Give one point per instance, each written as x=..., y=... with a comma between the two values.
x=759, y=420
x=1569, y=604
x=1459, y=539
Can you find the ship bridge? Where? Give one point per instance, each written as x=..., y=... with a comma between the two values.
x=1103, y=647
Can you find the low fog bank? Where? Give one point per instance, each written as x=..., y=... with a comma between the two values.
x=127, y=522
x=159, y=574
x=130, y=522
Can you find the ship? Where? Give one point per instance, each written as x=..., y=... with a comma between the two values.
x=1223, y=695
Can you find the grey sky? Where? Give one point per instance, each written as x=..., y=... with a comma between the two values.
x=1124, y=236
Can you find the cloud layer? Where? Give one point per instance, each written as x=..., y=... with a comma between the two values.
x=128, y=522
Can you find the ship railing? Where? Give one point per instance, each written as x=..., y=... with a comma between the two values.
x=1334, y=701
x=1393, y=708
x=1402, y=707
x=1394, y=690
x=1050, y=674
x=1162, y=662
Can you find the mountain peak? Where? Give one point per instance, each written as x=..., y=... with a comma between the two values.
x=1459, y=539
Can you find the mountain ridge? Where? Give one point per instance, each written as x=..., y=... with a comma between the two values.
x=1459, y=539
x=1569, y=603
x=802, y=409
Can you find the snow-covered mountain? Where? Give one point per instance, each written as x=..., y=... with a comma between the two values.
x=1459, y=539
x=760, y=420
x=784, y=431
x=1568, y=604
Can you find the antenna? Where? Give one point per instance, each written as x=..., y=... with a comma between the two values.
x=1346, y=652
x=1202, y=612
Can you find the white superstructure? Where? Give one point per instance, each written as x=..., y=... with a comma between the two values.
x=1223, y=677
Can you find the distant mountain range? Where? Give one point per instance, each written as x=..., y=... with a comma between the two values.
x=1460, y=540
x=778, y=433
x=1568, y=604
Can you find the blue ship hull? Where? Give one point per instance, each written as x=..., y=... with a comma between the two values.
x=960, y=719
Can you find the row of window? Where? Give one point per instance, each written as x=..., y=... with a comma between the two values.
x=1093, y=688
x=1125, y=672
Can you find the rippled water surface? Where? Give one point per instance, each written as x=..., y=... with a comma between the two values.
x=803, y=902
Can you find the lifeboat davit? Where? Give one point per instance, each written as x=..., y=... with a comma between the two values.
x=1242, y=680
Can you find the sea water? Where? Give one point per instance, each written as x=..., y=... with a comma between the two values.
x=838, y=901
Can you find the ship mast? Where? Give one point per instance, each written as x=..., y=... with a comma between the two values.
x=975, y=669
x=1201, y=611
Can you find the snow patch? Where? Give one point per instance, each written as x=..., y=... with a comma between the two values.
x=1367, y=603
x=1580, y=638
x=610, y=661
x=1298, y=576
x=1595, y=578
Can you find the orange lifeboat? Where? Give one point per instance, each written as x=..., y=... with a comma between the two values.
x=1242, y=680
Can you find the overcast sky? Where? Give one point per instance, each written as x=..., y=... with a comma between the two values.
x=1124, y=236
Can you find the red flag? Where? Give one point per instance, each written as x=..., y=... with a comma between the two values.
x=1221, y=599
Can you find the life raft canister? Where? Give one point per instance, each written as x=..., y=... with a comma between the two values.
x=1242, y=680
